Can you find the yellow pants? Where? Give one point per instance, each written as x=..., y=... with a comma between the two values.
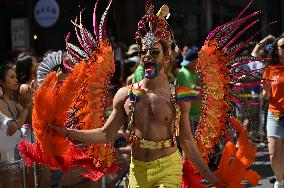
x=163, y=172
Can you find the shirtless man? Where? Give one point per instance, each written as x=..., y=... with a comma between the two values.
x=155, y=120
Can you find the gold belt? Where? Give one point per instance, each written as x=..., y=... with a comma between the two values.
x=148, y=144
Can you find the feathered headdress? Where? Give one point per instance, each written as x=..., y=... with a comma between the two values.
x=153, y=28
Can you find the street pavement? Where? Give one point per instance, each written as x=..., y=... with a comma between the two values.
x=262, y=166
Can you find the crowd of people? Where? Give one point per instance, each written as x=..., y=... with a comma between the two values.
x=18, y=84
x=135, y=65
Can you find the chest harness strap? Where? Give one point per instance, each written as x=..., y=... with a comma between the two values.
x=134, y=92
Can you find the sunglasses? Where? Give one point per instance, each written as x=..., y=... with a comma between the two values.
x=281, y=46
x=154, y=52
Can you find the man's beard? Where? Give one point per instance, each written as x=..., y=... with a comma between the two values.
x=151, y=69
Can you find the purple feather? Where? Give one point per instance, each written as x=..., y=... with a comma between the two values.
x=240, y=33
x=66, y=66
x=249, y=40
x=247, y=85
x=96, y=29
x=212, y=33
x=105, y=21
x=235, y=26
x=244, y=10
x=104, y=28
x=102, y=22
x=87, y=37
x=79, y=38
x=73, y=54
x=245, y=73
x=82, y=33
x=238, y=65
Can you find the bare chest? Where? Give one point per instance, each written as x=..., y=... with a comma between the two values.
x=154, y=108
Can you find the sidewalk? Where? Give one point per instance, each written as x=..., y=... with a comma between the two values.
x=262, y=166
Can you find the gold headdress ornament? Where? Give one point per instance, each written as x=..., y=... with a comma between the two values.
x=153, y=28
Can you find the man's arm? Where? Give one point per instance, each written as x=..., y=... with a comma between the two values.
x=256, y=50
x=108, y=131
x=189, y=145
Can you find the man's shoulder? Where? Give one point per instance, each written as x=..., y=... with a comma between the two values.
x=120, y=97
x=122, y=92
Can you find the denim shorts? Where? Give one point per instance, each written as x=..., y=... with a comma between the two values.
x=275, y=126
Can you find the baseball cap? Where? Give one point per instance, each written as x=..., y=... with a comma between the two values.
x=190, y=56
x=134, y=48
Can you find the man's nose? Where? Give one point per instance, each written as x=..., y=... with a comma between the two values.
x=147, y=58
x=148, y=53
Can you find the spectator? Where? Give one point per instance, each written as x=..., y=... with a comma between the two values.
x=185, y=51
x=129, y=68
x=133, y=51
x=131, y=64
x=12, y=109
x=261, y=50
x=26, y=70
x=189, y=78
x=8, y=127
x=274, y=93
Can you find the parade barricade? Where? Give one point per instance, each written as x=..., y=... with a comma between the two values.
x=12, y=175
x=16, y=175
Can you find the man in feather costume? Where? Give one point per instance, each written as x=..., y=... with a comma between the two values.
x=155, y=116
x=157, y=112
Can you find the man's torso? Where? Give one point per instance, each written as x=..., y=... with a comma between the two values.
x=154, y=117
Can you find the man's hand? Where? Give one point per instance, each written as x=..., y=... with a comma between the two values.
x=267, y=38
x=61, y=130
x=213, y=179
x=12, y=128
x=27, y=97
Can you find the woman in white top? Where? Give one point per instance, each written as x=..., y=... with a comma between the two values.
x=12, y=109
